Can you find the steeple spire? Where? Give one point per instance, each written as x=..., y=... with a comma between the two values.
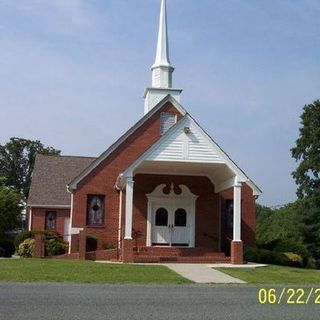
x=162, y=69
x=162, y=57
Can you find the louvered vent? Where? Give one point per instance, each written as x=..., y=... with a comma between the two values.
x=167, y=120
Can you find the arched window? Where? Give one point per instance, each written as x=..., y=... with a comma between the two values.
x=161, y=217
x=180, y=218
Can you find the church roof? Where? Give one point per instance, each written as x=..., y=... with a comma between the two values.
x=77, y=179
x=50, y=176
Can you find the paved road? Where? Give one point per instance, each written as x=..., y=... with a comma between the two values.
x=71, y=301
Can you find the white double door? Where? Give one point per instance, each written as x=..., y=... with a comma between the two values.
x=171, y=224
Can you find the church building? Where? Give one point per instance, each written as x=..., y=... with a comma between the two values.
x=163, y=192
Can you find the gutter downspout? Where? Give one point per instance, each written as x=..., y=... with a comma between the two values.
x=120, y=220
x=30, y=219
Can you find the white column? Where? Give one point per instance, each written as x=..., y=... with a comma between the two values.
x=129, y=208
x=237, y=210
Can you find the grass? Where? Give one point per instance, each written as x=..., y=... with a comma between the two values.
x=41, y=270
x=275, y=275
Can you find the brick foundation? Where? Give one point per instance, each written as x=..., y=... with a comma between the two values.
x=127, y=251
x=236, y=252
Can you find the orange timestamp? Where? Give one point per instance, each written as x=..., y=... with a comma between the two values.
x=289, y=296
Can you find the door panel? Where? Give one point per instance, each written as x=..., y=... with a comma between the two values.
x=160, y=225
x=180, y=230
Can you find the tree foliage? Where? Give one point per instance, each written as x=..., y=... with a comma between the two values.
x=278, y=224
x=17, y=160
x=307, y=152
x=10, y=208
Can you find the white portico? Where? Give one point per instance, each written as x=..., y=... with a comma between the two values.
x=184, y=150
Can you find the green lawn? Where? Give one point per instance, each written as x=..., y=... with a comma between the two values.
x=30, y=270
x=275, y=275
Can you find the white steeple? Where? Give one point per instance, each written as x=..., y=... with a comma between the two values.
x=162, y=69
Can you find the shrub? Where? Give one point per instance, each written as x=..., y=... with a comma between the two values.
x=294, y=247
x=91, y=243
x=273, y=257
x=108, y=246
x=288, y=245
x=8, y=248
x=21, y=236
x=55, y=246
x=26, y=248
x=292, y=259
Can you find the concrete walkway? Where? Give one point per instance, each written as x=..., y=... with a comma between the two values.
x=201, y=273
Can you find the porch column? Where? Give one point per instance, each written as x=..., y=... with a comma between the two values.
x=129, y=208
x=127, y=245
x=236, y=244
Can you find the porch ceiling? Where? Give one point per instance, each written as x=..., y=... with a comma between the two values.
x=216, y=172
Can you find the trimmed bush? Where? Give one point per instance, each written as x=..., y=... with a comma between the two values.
x=55, y=246
x=91, y=243
x=21, y=236
x=293, y=259
x=273, y=257
x=26, y=248
x=8, y=248
x=288, y=245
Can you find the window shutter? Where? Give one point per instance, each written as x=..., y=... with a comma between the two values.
x=167, y=120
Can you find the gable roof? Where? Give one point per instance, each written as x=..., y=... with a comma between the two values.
x=50, y=177
x=167, y=149
x=74, y=183
x=223, y=155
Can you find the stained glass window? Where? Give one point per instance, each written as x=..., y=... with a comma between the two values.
x=95, y=209
x=51, y=217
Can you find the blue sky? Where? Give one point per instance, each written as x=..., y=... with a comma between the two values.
x=73, y=74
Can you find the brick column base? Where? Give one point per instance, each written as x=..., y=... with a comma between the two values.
x=82, y=245
x=127, y=250
x=236, y=252
x=39, y=246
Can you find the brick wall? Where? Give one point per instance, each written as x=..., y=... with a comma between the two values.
x=39, y=214
x=103, y=178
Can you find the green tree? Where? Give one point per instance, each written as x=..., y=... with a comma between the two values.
x=10, y=208
x=307, y=152
x=307, y=176
x=17, y=159
x=278, y=224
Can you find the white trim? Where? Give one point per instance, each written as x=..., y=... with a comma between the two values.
x=50, y=206
x=186, y=199
x=70, y=226
x=237, y=210
x=129, y=208
x=120, y=219
x=220, y=224
x=76, y=230
x=242, y=177
x=74, y=183
x=225, y=185
x=30, y=219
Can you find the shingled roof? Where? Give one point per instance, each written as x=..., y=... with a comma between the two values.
x=50, y=176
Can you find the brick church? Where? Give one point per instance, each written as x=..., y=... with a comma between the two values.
x=164, y=191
